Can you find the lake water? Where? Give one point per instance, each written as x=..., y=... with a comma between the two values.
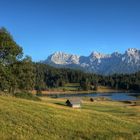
x=113, y=96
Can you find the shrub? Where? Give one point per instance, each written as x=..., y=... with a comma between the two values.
x=38, y=93
x=26, y=95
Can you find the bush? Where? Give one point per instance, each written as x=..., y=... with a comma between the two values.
x=26, y=95
x=38, y=93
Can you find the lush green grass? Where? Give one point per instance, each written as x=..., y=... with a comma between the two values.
x=70, y=87
x=76, y=87
x=26, y=95
x=67, y=87
x=50, y=119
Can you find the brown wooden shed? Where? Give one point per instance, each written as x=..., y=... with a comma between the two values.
x=74, y=102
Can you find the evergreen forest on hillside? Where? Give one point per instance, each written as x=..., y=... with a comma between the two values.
x=19, y=73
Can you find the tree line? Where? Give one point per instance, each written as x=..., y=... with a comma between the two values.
x=48, y=77
x=122, y=81
x=20, y=73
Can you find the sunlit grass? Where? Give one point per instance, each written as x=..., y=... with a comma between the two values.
x=50, y=119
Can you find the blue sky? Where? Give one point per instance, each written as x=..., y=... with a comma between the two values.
x=42, y=27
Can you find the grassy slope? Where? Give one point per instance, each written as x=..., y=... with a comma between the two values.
x=51, y=120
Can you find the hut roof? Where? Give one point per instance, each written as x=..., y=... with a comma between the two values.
x=74, y=100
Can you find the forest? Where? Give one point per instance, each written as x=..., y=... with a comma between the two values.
x=48, y=77
x=20, y=73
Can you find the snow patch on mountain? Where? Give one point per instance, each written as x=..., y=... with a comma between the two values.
x=96, y=62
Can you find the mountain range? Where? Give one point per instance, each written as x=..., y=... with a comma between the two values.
x=128, y=62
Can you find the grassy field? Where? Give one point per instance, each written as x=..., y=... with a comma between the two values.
x=75, y=88
x=50, y=119
x=69, y=87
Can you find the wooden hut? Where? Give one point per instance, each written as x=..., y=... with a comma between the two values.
x=74, y=103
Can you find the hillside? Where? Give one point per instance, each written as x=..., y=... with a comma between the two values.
x=50, y=119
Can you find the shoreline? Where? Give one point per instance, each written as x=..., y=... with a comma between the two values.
x=58, y=92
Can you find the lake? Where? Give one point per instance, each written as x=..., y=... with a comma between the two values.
x=113, y=96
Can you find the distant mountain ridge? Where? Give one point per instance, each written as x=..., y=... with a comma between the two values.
x=96, y=62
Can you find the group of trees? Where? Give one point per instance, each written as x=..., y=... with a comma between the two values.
x=122, y=81
x=20, y=73
x=50, y=77
x=16, y=72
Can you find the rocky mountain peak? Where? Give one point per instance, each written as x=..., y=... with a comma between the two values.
x=116, y=54
x=132, y=51
x=97, y=55
x=96, y=62
x=63, y=58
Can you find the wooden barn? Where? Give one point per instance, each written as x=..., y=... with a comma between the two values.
x=74, y=102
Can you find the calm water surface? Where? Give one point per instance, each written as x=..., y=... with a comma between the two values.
x=113, y=96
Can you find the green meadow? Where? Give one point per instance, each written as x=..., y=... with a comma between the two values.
x=50, y=119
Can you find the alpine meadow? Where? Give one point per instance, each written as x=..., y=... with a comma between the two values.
x=70, y=70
